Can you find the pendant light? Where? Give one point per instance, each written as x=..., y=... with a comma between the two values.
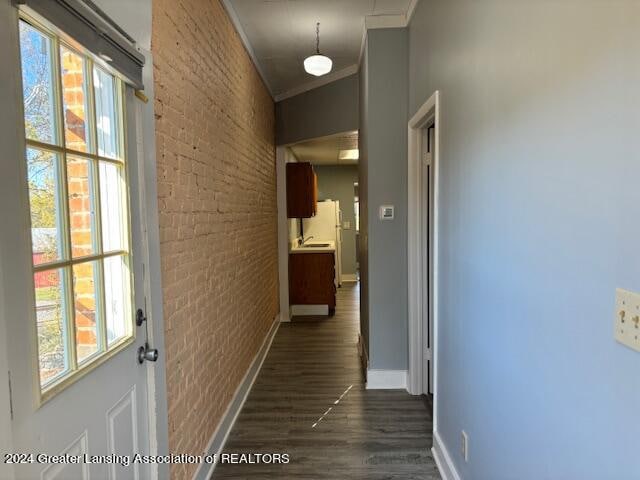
x=318, y=64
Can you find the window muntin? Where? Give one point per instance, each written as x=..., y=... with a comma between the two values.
x=78, y=198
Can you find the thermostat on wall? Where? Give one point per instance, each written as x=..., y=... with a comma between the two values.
x=386, y=212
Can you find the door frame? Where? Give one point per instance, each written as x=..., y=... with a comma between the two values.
x=146, y=189
x=428, y=114
x=12, y=146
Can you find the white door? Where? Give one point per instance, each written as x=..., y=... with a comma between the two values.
x=72, y=274
x=428, y=141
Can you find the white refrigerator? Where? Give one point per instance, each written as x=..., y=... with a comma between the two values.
x=327, y=226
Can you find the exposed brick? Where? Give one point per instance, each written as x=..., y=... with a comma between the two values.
x=217, y=213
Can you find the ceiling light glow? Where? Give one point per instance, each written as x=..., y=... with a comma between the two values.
x=318, y=65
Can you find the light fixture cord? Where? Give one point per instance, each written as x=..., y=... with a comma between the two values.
x=318, y=38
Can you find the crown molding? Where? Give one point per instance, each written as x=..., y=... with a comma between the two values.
x=385, y=21
x=235, y=20
x=411, y=10
x=318, y=82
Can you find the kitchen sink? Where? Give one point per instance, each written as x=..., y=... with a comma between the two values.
x=315, y=245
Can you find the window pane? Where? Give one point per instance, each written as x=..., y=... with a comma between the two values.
x=50, y=318
x=112, y=203
x=82, y=208
x=74, y=96
x=106, y=117
x=44, y=201
x=86, y=298
x=37, y=84
x=117, y=298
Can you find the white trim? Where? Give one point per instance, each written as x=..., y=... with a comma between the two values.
x=349, y=277
x=235, y=20
x=385, y=21
x=428, y=113
x=220, y=436
x=302, y=310
x=363, y=43
x=386, y=379
x=445, y=464
x=318, y=82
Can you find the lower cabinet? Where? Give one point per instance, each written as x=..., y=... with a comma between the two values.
x=311, y=279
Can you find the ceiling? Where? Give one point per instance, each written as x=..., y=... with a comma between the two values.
x=281, y=34
x=326, y=150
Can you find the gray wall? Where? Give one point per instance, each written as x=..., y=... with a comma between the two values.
x=335, y=182
x=539, y=224
x=384, y=181
x=330, y=109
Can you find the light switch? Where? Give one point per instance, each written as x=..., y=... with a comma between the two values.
x=387, y=212
x=627, y=318
x=346, y=225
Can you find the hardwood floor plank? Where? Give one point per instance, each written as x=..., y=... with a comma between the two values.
x=310, y=402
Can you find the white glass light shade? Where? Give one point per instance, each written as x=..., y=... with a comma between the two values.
x=318, y=65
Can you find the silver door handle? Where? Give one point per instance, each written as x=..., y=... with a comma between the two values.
x=147, y=353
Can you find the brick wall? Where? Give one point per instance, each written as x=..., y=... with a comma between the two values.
x=218, y=222
x=81, y=209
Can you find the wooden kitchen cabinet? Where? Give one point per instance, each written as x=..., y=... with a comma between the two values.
x=311, y=279
x=302, y=190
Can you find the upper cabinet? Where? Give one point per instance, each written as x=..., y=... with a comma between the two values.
x=302, y=190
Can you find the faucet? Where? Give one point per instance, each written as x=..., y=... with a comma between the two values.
x=302, y=241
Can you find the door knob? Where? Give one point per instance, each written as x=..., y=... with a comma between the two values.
x=147, y=353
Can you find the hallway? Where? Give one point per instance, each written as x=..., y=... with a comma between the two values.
x=310, y=402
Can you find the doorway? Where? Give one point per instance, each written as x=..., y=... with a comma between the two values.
x=318, y=250
x=426, y=250
x=423, y=173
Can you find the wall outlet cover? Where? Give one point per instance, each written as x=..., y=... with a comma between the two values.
x=627, y=318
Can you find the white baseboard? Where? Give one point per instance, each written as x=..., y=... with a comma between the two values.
x=285, y=316
x=386, y=379
x=302, y=310
x=443, y=459
x=219, y=438
x=349, y=277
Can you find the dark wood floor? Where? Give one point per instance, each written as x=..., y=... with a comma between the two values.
x=310, y=402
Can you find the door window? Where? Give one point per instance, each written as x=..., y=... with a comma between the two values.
x=78, y=200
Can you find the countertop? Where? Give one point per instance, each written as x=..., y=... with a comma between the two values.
x=330, y=249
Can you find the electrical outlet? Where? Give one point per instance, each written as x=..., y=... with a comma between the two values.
x=464, y=450
x=627, y=318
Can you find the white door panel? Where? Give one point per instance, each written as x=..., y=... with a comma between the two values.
x=68, y=471
x=123, y=435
